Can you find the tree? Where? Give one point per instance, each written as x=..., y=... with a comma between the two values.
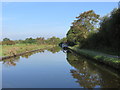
x=80, y=29
x=53, y=40
x=8, y=42
x=40, y=40
x=29, y=41
x=108, y=36
x=64, y=40
x=6, y=39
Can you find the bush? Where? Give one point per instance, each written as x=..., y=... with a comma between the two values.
x=8, y=42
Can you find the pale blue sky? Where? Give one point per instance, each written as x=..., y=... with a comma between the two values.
x=45, y=19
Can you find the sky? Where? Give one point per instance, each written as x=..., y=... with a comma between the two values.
x=45, y=19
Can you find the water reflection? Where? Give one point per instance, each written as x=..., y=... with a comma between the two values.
x=88, y=75
x=55, y=49
x=27, y=55
x=13, y=61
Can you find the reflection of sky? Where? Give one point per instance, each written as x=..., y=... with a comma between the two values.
x=39, y=70
x=21, y=20
x=48, y=70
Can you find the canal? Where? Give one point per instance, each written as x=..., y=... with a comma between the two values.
x=54, y=68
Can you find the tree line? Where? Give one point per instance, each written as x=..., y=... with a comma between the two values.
x=91, y=31
x=39, y=40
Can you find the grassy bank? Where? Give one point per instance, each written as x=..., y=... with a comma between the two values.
x=9, y=50
x=100, y=57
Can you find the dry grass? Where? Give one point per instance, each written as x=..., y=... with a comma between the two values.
x=9, y=50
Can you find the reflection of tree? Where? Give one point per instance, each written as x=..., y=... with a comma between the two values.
x=11, y=61
x=88, y=75
x=27, y=55
x=82, y=72
x=54, y=49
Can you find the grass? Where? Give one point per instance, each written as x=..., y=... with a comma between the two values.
x=9, y=50
x=98, y=56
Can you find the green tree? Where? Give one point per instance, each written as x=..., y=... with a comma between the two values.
x=53, y=40
x=80, y=29
x=40, y=40
x=29, y=40
x=108, y=36
x=64, y=40
x=6, y=39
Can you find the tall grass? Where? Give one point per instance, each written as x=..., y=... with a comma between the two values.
x=9, y=50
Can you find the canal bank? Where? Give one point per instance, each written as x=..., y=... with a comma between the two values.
x=64, y=70
x=106, y=59
x=19, y=54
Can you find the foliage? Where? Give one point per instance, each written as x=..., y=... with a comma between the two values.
x=80, y=29
x=64, y=40
x=10, y=47
x=53, y=40
x=10, y=42
x=108, y=36
x=87, y=33
x=6, y=39
x=29, y=40
x=39, y=40
x=54, y=49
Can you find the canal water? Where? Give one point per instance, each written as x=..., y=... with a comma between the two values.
x=54, y=68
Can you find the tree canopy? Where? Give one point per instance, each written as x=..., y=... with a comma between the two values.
x=80, y=29
x=91, y=32
x=6, y=39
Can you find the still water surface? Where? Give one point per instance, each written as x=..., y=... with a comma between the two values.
x=55, y=69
